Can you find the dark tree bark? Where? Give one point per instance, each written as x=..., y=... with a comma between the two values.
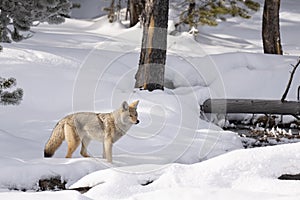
x=111, y=14
x=135, y=9
x=1, y=31
x=271, y=28
x=150, y=74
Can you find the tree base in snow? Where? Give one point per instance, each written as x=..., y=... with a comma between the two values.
x=152, y=86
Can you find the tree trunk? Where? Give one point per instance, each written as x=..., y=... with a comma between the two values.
x=1, y=30
x=135, y=8
x=270, y=27
x=111, y=14
x=150, y=74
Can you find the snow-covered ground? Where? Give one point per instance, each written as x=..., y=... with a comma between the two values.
x=172, y=154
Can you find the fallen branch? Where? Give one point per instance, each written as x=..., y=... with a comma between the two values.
x=290, y=81
x=289, y=177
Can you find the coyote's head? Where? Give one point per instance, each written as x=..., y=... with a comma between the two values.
x=129, y=114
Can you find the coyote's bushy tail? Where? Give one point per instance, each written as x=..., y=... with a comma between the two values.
x=55, y=140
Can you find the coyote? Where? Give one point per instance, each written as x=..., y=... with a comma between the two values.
x=83, y=127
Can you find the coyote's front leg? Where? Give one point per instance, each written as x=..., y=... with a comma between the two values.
x=107, y=150
x=103, y=152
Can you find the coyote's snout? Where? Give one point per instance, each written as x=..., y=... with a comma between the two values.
x=86, y=126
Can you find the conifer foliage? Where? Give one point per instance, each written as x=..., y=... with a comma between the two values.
x=207, y=12
x=17, y=16
x=7, y=97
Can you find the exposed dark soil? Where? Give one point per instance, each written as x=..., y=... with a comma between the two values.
x=265, y=132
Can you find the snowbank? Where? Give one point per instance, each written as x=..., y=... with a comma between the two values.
x=241, y=174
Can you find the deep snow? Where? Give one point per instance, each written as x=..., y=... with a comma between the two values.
x=90, y=65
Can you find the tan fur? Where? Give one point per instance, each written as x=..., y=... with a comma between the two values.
x=81, y=128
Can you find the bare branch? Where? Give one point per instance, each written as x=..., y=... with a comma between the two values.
x=290, y=81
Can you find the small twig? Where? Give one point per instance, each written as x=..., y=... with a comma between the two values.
x=298, y=93
x=298, y=118
x=290, y=81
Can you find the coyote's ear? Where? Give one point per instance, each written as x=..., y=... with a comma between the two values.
x=134, y=104
x=125, y=106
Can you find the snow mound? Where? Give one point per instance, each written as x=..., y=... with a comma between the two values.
x=242, y=173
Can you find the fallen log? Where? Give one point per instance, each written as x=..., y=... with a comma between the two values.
x=253, y=106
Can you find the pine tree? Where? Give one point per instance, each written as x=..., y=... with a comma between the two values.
x=17, y=16
x=207, y=12
x=10, y=98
